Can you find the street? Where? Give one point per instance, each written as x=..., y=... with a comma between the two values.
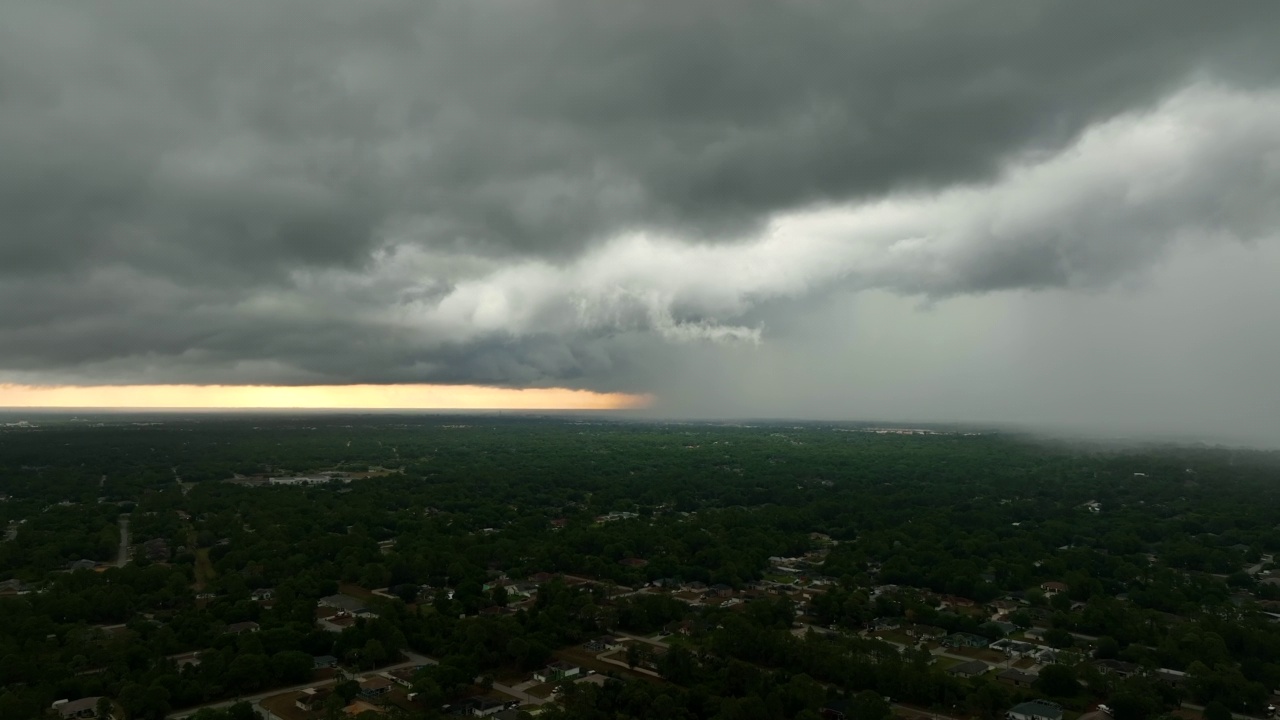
x=123, y=558
x=414, y=659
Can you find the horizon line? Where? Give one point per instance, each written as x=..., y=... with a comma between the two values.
x=356, y=396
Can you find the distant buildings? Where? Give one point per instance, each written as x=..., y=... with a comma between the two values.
x=300, y=480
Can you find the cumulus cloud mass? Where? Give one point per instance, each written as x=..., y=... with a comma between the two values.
x=995, y=210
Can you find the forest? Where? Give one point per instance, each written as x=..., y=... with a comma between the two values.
x=781, y=570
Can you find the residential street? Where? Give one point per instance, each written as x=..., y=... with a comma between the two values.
x=123, y=558
x=414, y=659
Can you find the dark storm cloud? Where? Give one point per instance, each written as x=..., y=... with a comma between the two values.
x=331, y=191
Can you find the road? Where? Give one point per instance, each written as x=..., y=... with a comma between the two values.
x=936, y=652
x=123, y=558
x=651, y=641
x=414, y=659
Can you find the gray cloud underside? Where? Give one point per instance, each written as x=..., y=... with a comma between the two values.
x=526, y=192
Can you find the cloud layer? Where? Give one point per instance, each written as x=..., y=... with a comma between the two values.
x=564, y=192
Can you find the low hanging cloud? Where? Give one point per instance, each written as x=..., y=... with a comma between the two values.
x=1201, y=167
x=525, y=193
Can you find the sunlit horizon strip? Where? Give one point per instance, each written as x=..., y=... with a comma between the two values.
x=318, y=397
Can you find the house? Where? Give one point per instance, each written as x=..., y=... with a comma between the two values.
x=320, y=662
x=82, y=708
x=1016, y=677
x=312, y=698
x=1014, y=648
x=242, y=627
x=187, y=659
x=480, y=706
x=371, y=687
x=262, y=594
x=720, y=590
x=523, y=589
x=602, y=643
x=1175, y=678
x=973, y=668
x=558, y=670
x=961, y=639
x=1035, y=710
x=82, y=564
x=1118, y=668
x=15, y=587
x=1053, y=587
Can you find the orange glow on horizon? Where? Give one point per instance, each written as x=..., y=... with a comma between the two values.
x=319, y=397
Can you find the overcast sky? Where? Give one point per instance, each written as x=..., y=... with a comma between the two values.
x=1058, y=213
